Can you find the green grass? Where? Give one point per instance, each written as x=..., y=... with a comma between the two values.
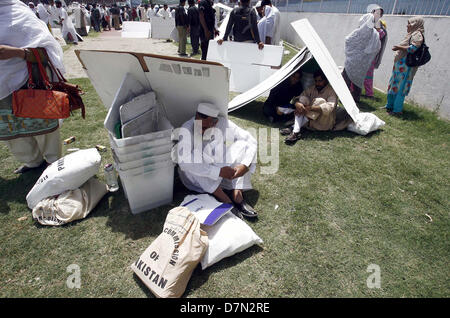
x=345, y=201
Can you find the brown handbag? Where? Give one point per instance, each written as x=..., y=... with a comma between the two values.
x=40, y=103
x=72, y=90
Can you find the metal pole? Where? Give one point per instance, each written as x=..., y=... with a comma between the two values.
x=431, y=8
x=348, y=6
x=443, y=7
x=321, y=2
x=393, y=8
x=301, y=6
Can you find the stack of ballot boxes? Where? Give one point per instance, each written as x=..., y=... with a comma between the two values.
x=141, y=146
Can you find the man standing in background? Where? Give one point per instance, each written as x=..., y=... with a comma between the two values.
x=194, y=26
x=181, y=23
x=208, y=30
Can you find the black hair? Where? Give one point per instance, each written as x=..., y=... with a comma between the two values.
x=320, y=73
x=266, y=2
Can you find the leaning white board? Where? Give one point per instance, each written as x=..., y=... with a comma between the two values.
x=135, y=29
x=249, y=69
x=162, y=28
x=180, y=85
x=323, y=57
x=290, y=67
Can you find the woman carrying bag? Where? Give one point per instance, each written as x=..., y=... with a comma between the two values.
x=34, y=142
x=402, y=74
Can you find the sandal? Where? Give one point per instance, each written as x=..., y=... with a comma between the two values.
x=292, y=138
x=286, y=131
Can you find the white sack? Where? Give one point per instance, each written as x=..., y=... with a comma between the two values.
x=68, y=173
x=365, y=124
x=229, y=236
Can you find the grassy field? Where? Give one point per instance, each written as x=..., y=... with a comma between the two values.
x=338, y=203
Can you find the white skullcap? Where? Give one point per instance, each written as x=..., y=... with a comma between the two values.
x=372, y=7
x=208, y=110
x=258, y=4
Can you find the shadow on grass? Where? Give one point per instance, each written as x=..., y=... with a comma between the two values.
x=411, y=115
x=200, y=277
x=149, y=223
x=16, y=190
x=253, y=112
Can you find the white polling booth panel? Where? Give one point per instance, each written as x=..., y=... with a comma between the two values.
x=249, y=65
x=181, y=85
x=135, y=29
x=162, y=28
x=223, y=23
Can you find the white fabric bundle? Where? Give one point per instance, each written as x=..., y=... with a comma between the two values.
x=361, y=47
x=70, y=205
x=365, y=124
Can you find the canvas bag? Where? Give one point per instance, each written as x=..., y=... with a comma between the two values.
x=70, y=205
x=167, y=264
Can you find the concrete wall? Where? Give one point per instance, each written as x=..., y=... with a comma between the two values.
x=431, y=84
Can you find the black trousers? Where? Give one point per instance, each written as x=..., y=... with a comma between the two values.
x=195, y=38
x=204, y=42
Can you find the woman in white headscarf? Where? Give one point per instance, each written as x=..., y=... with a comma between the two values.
x=403, y=75
x=361, y=47
x=67, y=28
x=34, y=142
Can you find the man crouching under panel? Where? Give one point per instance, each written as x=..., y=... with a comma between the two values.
x=217, y=157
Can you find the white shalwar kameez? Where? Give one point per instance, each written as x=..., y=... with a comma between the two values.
x=165, y=14
x=237, y=145
x=273, y=27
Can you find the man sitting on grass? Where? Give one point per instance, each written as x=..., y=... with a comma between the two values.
x=316, y=109
x=216, y=156
x=278, y=105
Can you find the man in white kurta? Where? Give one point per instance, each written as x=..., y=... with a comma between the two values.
x=214, y=155
x=273, y=23
x=165, y=12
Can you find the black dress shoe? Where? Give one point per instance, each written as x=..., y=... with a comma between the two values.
x=246, y=210
x=25, y=168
